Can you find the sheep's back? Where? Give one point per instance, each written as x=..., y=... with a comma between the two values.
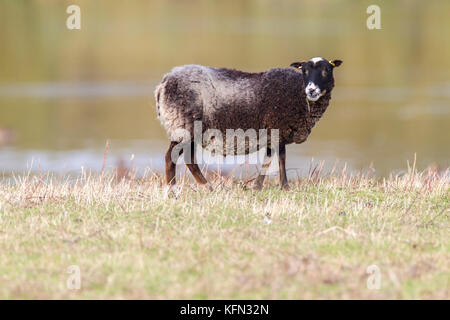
x=230, y=99
x=219, y=98
x=235, y=102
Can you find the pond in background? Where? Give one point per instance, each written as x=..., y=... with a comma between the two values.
x=64, y=93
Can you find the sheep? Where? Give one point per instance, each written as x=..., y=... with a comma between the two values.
x=221, y=99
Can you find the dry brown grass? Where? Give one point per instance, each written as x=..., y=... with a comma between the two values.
x=314, y=241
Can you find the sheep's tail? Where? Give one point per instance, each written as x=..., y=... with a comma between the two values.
x=157, y=98
x=159, y=90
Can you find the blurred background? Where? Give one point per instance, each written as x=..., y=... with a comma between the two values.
x=63, y=93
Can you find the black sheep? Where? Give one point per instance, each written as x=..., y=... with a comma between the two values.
x=222, y=99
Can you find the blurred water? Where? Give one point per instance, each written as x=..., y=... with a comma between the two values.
x=64, y=93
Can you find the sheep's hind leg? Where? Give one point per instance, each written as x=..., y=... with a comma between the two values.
x=191, y=163
x=265, y=166
x=282, y=163
x=170, y=166
x=170, y=171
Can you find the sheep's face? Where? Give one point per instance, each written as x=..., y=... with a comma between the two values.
x=317, y=76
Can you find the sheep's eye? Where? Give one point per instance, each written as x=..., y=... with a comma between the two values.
x=324, y=73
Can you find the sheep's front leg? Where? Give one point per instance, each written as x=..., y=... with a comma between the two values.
x=282, y=164
x=170, y=167
x=265, y=166
x=191, y=163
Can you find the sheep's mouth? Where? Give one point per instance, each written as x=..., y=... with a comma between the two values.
x=314, y=96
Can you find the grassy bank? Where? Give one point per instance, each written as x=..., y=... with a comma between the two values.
x=315, y=241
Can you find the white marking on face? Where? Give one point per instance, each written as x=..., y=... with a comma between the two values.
x=313, y=92
x=316, y=59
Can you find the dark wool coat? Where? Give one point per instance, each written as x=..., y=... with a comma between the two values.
x=231, y=99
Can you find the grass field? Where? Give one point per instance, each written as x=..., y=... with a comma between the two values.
x=317, y=240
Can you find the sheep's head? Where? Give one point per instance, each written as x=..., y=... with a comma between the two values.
x=317, y=76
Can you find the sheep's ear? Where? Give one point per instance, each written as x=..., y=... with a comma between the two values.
x=336, y=63
x=297, y=65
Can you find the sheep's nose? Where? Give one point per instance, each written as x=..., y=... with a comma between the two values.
x=311, y=90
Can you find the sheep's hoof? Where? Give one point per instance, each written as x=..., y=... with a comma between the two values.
x=285, y=187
